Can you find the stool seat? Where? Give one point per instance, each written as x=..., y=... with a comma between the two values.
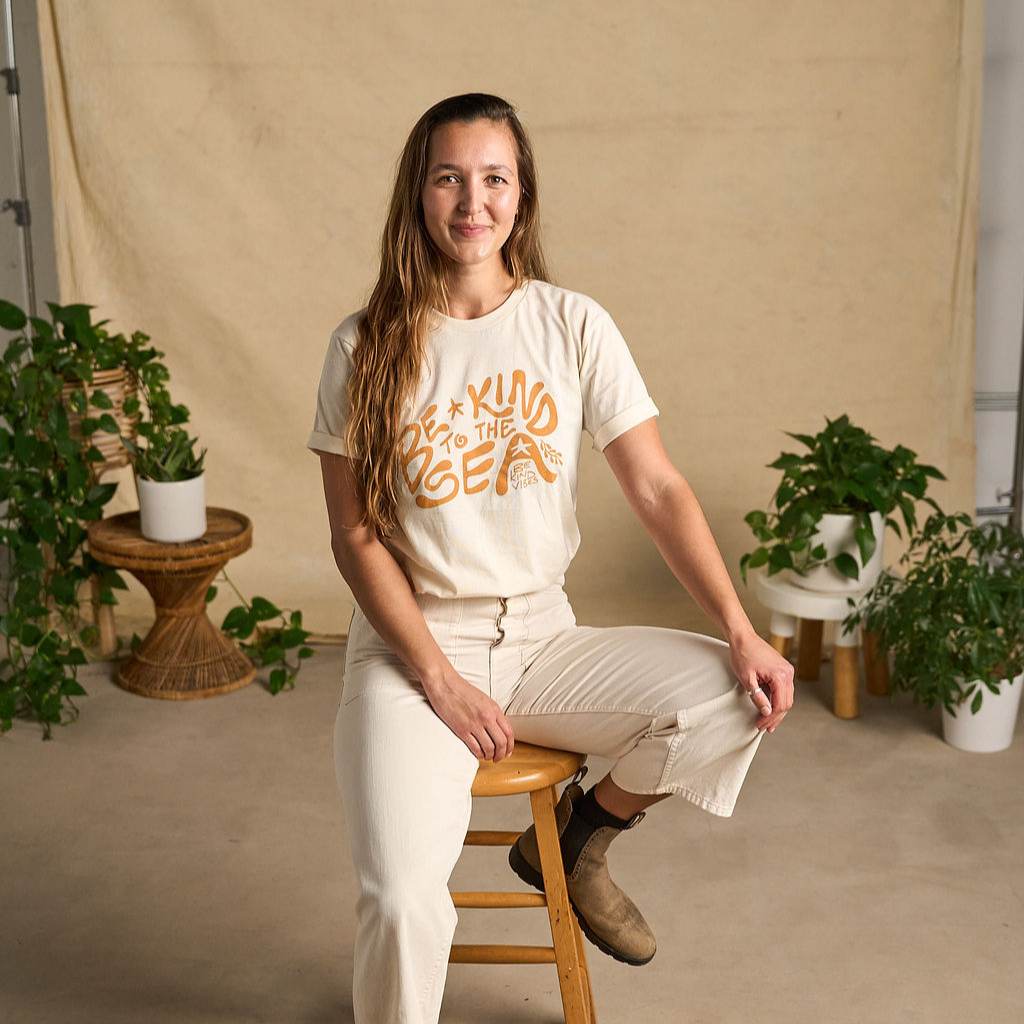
x=535, y=770
x=527, y=768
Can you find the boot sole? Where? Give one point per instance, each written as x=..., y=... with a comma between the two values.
x=521, y=866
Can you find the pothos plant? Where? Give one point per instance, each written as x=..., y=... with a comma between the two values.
x=49, y=492
x=844, y=471
x=955, y=619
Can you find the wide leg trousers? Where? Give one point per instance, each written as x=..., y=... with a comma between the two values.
x=662, y=704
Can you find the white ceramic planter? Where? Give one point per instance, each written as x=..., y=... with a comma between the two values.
x=172, y=511
x=836, y=532
x=991, y=729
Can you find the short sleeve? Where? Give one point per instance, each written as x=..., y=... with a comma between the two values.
x=615, y=397
x=332, y=405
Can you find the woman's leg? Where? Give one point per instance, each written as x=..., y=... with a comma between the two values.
x=405, y=780
x=663, y=704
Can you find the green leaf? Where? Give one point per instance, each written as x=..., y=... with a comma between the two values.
x=865, y=542
x=759, y=557
x=239, y=621
x=779, y=558
x=264, y=609
x=11, y=317
x=847, y=565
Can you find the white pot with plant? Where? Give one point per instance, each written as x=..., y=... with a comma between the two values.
x=171, y=485
x=827, y=531
x=955, y=625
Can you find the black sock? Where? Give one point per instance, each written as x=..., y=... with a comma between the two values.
x=588, y=806
x=587, y=815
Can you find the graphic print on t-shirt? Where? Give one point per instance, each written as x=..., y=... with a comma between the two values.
x=491, y=436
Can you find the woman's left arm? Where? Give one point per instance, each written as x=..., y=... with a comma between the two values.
x=665, y=503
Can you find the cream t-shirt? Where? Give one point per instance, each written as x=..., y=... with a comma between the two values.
x=487, y=503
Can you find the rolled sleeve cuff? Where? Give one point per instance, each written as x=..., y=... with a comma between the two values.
x=326, y=443
x=623, y=421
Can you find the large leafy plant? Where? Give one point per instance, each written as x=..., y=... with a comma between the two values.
x=955, y=620
x=844, y=471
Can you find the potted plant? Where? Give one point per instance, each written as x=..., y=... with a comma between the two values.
x=171, y=485
x=67, y=387
x=954, y=623
x=830, y=506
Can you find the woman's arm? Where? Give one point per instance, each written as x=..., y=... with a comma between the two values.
x=376, y=579
x=386, y=599
x=669, y=510
x=665, y=503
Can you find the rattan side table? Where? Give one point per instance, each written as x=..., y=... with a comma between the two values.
x=183, y=656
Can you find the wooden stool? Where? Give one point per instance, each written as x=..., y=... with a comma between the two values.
x=790, y=604
x=535, y=770
x=183, y=656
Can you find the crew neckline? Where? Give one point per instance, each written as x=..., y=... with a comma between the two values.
x=479, y=323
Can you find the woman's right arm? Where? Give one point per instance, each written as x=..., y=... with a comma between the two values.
x=385, y=597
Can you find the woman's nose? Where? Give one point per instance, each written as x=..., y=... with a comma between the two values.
x=471, y=199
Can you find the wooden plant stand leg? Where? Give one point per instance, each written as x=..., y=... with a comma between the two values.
x=103, y=616
x=876, y=665
x=846, y=675
x=183, y=656
x=808, y=652
x=575, y=1004
x=781, y=630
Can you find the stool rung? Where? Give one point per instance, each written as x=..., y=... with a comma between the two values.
x=483, y=837
x=490, y=899
x=465, y=953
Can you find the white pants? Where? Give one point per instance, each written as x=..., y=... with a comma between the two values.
x=663, y=704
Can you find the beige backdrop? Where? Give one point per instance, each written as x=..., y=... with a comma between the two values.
x=777, y=203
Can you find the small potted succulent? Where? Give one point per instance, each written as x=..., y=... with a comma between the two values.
x=954, y=623
x=830, y=506
x=171, y=484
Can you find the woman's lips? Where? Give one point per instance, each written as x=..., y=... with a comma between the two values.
x=470, y=232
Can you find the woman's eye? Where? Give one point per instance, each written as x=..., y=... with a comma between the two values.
x=445, y=177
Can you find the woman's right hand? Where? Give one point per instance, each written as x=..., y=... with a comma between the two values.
x=473, y=716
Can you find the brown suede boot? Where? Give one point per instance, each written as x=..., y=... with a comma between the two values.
x=607, y=916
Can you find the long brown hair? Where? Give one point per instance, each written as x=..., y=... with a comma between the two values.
x=413, y=280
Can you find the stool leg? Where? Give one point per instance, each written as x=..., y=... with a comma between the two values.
x=876, y=665
x=560, y=913
x=846, y=675
x=581, y=953
x=808, y=654
x=781, y=629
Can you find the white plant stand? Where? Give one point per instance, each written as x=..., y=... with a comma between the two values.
x=792, y=605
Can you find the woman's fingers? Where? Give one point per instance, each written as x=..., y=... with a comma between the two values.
x=761, y=700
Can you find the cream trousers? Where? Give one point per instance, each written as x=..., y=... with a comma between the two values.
x=662, y=704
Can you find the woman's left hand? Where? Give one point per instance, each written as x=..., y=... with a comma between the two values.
x=756, y=662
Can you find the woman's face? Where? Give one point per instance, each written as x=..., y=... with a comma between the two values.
x=471, y=179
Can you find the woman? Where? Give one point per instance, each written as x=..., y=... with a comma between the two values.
x=448, y=423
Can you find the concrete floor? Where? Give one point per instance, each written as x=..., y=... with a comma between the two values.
x=186, y=862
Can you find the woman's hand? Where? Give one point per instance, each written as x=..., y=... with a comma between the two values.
x=756, y=662
x=473, y=716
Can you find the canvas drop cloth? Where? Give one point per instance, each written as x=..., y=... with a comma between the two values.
x=776, y=202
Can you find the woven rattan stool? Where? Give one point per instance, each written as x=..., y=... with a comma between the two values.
x=534, y=770
x=183, y=656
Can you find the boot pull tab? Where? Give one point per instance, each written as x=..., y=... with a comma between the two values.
x=580, y=772
x=636, y=819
